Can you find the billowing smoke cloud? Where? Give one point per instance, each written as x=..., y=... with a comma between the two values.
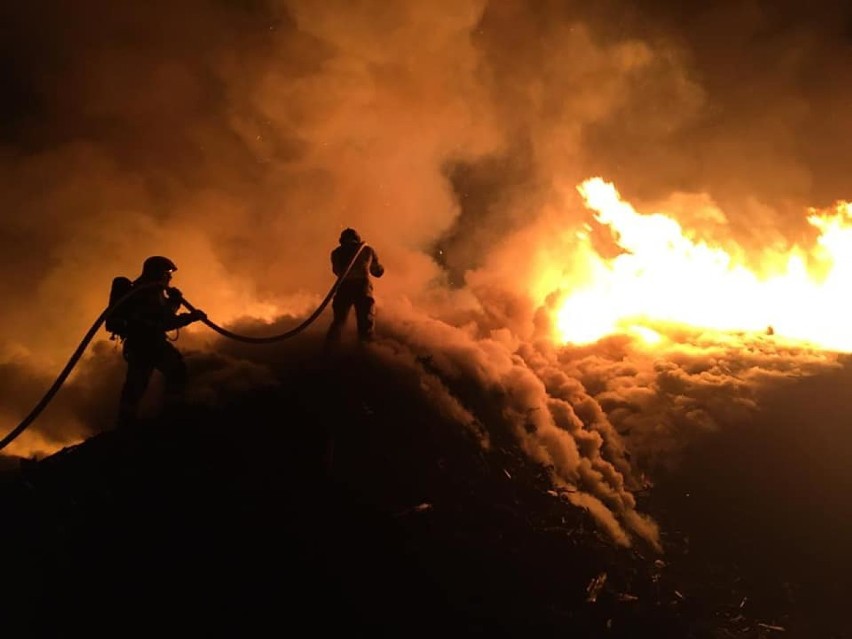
x=239, y=138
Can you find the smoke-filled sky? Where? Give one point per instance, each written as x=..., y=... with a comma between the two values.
x=239, y=137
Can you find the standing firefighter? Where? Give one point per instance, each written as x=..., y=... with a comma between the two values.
x=356, y=289
x=148, y=315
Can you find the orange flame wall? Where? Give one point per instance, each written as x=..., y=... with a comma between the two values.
x=664, y=277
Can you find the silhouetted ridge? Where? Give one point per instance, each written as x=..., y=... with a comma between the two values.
x=327, y=503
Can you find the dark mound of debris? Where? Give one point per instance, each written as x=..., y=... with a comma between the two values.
x=326, y=505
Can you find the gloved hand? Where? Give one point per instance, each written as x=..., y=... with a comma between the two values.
x=174, y=293
x=197, y=315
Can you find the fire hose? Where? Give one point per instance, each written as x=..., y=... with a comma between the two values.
x=95, y=327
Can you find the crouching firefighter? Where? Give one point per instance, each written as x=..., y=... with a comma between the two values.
x=144, y=319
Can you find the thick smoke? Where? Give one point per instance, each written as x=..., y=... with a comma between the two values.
x=239, y=138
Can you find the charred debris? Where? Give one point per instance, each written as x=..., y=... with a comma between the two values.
x=345, y=510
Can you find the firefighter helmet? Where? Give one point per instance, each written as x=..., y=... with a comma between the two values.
x=157, y=265
x=349, y=235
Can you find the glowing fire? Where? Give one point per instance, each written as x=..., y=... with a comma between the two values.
x=664, y=277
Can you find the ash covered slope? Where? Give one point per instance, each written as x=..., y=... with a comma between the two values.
x=334, y=501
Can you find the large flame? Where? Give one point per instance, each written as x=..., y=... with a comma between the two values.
x=664, y=277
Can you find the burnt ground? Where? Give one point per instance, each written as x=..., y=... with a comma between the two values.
x=332, y=504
